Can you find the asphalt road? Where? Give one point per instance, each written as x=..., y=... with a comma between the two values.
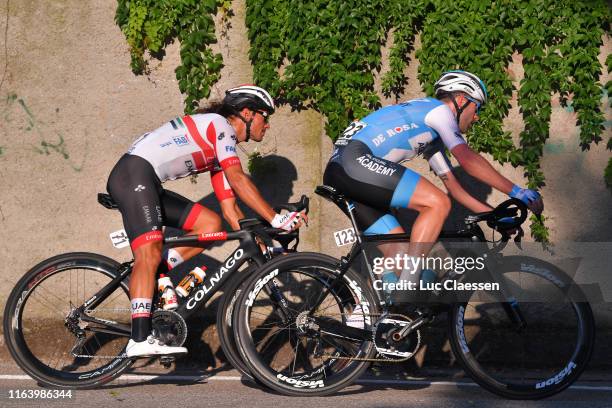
x=226, y=389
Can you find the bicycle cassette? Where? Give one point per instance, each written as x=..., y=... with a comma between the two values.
x=389, y=342
x=169, y=327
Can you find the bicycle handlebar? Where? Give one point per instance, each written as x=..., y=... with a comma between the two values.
x=512, y=208
x=267, y=233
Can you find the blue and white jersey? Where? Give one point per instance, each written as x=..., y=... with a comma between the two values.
x=401, y=132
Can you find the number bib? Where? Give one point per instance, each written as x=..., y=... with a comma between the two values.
x=349, y=132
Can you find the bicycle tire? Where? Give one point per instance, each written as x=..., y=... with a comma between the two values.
x=489, y=353
x=225, y=331
x=318, y=376
x=28, y=296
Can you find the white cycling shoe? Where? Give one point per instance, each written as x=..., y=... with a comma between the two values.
x=151, y=347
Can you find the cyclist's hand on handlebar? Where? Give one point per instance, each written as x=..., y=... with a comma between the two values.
x=289, y=221
x=531, y=198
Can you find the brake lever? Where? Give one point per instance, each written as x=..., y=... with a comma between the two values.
x=517, y=238
x=302, y=205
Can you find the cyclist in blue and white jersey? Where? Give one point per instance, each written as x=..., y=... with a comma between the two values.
x=365, y=165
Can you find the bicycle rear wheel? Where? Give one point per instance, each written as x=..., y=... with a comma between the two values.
x=535, y=360
x=291, y=322
x=46, y=339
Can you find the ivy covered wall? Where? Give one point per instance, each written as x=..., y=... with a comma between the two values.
x=323, y=54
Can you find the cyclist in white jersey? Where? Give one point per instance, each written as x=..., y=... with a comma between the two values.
x=365, y=165
x=203, y=142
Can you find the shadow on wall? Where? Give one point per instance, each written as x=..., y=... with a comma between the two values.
x=583, y=204
x=274, y=177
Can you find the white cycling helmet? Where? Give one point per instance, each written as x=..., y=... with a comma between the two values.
x=461, y=81
x=249, y=96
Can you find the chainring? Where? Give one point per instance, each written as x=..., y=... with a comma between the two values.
x=169, y=327
x=402, y=352
x=395, y=350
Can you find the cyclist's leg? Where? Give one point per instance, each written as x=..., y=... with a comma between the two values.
x=418, y=193
x=379, y=223
x=142, y=284
x=135, y=187
x=382, y=184
x=182, y=213
x=433, y=205
x=375, y=222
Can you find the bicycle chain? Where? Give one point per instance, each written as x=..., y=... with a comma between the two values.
x=120, y=357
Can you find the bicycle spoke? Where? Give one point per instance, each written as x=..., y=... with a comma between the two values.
x=297, y=343
x=61, y=313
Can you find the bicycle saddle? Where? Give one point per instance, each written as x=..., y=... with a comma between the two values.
x=331, y=194
x=107, y=201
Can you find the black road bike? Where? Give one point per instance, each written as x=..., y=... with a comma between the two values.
x=330, y=324
x=67, y=320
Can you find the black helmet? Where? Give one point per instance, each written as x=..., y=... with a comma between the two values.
x=249, y=96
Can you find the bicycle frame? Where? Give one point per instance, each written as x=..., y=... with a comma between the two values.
x=473, y=233
x=248, y=250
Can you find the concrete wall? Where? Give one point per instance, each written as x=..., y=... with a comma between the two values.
x=70, y=107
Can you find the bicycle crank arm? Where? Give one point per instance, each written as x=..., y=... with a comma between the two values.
x=409, y=328
x=77, y=349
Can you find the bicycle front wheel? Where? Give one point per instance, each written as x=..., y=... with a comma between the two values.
x=225, y=311
x=301, y=330
x=45, y=336
x=525, y=349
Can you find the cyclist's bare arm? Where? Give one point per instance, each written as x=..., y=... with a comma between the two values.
x=463, y=197
x=248, y=193
x=231, y=212
x=477, y=166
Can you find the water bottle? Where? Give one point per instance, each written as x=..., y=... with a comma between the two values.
x=167, y=295
x=194, y=278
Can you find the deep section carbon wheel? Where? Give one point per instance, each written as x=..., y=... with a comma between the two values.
x=47, y=327
x=302, y=330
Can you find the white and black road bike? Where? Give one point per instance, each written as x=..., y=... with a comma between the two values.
x=67, y=320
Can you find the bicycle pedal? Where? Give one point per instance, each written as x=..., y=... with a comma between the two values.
x=167, y=361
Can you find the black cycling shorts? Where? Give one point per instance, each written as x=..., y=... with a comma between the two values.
x=375, y=184
x=145, y=206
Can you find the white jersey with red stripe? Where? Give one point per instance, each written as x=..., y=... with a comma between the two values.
x=188, y=145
